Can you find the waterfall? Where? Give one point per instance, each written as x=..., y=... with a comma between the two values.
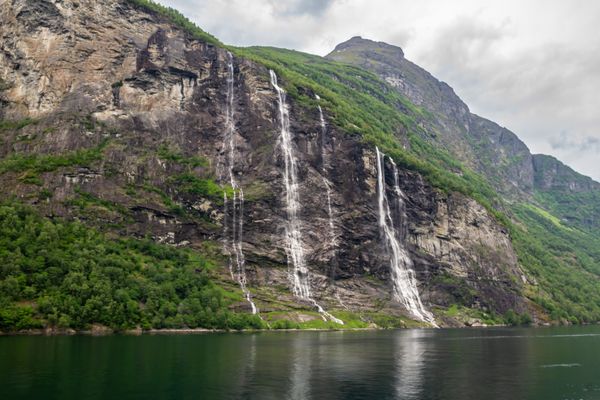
x=332, y=234
x=301, y=286
x=326, y=183
x=226, y=247
x=333, y=237
x=299, y=274
x=403, y=276
x=234, y=249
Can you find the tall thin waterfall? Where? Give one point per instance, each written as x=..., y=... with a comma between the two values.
x=299, y=275
x=326, y=183
x=333, y=233
x=401, y=266
x=234, y=248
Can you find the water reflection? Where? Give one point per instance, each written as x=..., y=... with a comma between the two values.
x=394, y=365
x=318, y=365
x=241, y=387
x=301, y=369
x=409, y=353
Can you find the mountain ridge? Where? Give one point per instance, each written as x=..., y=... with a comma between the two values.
x=127, y=124
x=403, y=79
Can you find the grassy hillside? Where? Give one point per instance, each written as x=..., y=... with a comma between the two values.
x=580, y=210
x=563, y=260
x=569, y=195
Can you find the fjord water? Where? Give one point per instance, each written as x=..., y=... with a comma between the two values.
x=528, y=363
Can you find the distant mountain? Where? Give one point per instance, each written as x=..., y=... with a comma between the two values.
x=551, y=174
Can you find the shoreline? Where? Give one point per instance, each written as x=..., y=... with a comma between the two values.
x=103, y=331
x=182, y=331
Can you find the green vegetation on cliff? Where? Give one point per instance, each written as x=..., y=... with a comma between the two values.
x=564, y=263
x=19, y=124
x=62, y=274
x=36, y=164
x=178, y=19
x=580, y=210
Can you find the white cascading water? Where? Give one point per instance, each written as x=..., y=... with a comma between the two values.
x=299, y=275
x=234, y=248
x=403, y=275
x=333, y=235
x=333, y=239
x=410, y=348
x=332, y=232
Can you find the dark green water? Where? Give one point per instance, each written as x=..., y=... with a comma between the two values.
x=552, y=363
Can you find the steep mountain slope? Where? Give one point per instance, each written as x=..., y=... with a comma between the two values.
x=574, y=198
x=490, y=149
x=558, y=206
x=481, y=144
x=126, y=117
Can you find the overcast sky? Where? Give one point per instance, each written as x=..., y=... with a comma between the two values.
x=532, y=66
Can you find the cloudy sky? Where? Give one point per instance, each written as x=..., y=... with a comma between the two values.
x=532, y=66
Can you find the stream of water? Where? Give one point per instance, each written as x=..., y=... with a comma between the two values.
x=402, y=273
x=234, y=248
x=299, y=272
x=326, y=183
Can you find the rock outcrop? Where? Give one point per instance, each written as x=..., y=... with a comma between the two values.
x=550, y=173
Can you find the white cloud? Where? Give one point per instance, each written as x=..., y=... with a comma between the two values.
x=530, y=66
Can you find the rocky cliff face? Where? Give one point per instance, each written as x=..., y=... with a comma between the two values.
x=550, y=173
x=128, y=117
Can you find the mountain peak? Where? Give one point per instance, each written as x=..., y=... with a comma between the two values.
x=359, y=43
